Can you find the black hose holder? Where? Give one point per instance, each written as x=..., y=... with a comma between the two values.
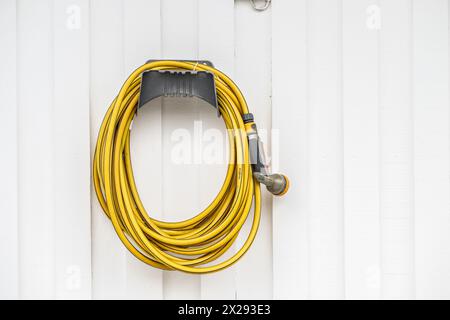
x=179, y=83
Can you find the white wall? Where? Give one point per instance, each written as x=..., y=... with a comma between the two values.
x=356, y=92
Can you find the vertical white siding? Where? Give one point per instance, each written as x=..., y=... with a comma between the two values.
x=384, y=81
x=325, y=151
x=9, y=268
x=360, y=112
x=356, y=93
x=290, y=114
x=431, y=148
x=36, y=128
x=71, y=149
x=109, y=260
x=396, y=150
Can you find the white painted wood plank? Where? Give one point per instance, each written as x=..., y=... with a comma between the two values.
x=253, y=75
x=71, y=149
x=180, y=185
x=326, y=146
x=431, y=149
x=396, y=183
x=179, y=29
x=290, y=119
x=36, y=189
x=215, y=21
x=361, y=148
x=9, y=241
x=107, y=75
x=141, y=43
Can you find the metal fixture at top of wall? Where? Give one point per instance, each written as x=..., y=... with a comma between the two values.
x=263, y=8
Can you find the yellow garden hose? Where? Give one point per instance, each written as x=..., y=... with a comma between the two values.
x=192, y=245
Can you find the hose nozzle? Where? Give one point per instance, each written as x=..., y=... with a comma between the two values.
x=277, y=184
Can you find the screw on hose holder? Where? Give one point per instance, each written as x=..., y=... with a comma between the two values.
x=276, y=183
x=179, y=83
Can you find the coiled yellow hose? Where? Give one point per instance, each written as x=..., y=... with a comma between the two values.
x=192, y=245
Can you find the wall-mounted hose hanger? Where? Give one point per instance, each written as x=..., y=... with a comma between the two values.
x=192, y=245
